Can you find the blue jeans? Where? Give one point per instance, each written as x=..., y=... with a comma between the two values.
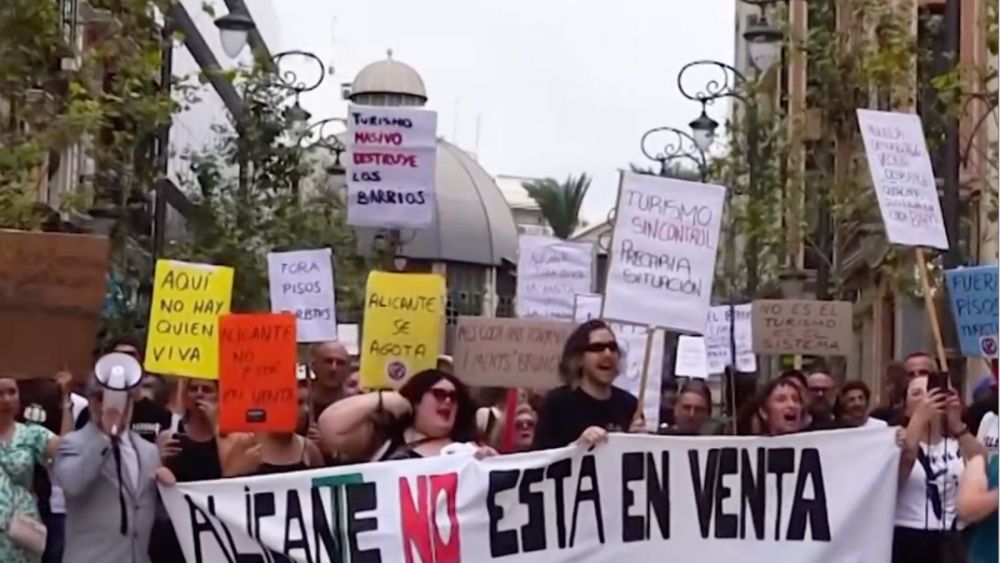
x=55, y=525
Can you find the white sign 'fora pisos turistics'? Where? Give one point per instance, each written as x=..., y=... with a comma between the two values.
x=550, y=273
x=663, y=251
x=301, y=282
x=904, y=183
x=391, y=155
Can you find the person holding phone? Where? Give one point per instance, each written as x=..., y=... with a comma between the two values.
x=936, y=445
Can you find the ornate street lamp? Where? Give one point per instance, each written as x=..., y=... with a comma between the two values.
x=673, y=147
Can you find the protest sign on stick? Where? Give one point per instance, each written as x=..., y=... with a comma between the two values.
x=258, y=391
x=404, y=315
x=973, y=293
x=795, y=326
x=805, y=498
x=719, y=340
x=906, y=189
x=301, y=283
x=188, y=300
x=390, y=167
x=347, y=335
x=642, y=354
x=52, y=286
x=586, y=306
x=550, y=272
x=510, y=352
x=662, y=253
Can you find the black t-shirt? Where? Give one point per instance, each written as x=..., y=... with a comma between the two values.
x=568, y=411
x=148, y=419
x=197, y=461
x=892, y=415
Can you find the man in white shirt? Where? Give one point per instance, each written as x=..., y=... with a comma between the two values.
x=855, y=398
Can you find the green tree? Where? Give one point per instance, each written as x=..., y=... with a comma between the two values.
x=276, y=204
x=560, y=202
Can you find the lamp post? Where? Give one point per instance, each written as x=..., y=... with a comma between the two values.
x=673, y=148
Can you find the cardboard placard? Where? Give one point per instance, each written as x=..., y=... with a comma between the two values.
x=258, y=391
x=391, y=160
x=301, y=282
x=662, y=258
x=903, y=179
x=404, y=320
x=973, y=294
x=813, y=328
x=52, y=286
x=188, y=300
x=550, y=272
x=510, y=352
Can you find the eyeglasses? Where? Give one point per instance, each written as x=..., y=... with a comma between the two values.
x=524, y=425
x=598, y=347
x=442, y=395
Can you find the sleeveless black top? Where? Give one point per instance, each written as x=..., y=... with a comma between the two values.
x=274, y=469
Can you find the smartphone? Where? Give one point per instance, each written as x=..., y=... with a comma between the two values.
x=938, y=381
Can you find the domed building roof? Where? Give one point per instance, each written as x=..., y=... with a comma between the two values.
x=389, y=77
x=473, y=223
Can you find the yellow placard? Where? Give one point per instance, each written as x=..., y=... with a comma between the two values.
x=404, y=316
x=188, y=300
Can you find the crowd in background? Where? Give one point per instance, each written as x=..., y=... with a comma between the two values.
x=62, y=463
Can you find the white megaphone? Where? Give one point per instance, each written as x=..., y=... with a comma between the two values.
x=118, y=373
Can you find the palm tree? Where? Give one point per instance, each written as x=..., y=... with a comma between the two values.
x=560, y=203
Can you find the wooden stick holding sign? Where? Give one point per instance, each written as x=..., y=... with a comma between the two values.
x=930, y=308
x=650, y=332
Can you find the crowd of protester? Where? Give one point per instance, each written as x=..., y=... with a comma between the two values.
x=57, y=466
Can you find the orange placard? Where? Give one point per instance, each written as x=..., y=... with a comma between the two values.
x=257, y=383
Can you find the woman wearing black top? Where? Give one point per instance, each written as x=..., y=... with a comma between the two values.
x=589, y=406
x=431, y=411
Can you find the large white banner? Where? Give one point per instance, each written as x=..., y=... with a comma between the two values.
x=662, y=261
x=632, y=341
x=718, y=341
x=301, y=282
x=903, y=178
x=550, y=272
x=825, y=497
x=390, y=167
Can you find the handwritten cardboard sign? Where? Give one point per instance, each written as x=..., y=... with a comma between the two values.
x=390, y=168
x=550, y=272
x=814, y=328
x=510, y=352
x=692, y=357
x=718, y=341
x=662, y=261
x=404, y=323
x=301, y=282
x=51, y=290
x=973, y=293
x=587, y=306
x=632, y=344
x=904, y=183
x=257, y=385
x=188, y=300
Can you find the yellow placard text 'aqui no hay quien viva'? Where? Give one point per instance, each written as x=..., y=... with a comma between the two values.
x=404, y=320
x=188, y=300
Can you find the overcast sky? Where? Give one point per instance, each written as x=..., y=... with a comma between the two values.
x=552, y=87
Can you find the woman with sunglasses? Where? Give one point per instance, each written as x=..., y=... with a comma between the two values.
x=428, y=415
x=589, y=405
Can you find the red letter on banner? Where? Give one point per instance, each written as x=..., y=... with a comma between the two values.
x=420, y=518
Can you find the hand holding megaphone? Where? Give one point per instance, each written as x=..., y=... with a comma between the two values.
x=118, y=374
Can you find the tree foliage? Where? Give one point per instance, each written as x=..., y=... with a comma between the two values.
x=283, y=200
x=560, y=202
